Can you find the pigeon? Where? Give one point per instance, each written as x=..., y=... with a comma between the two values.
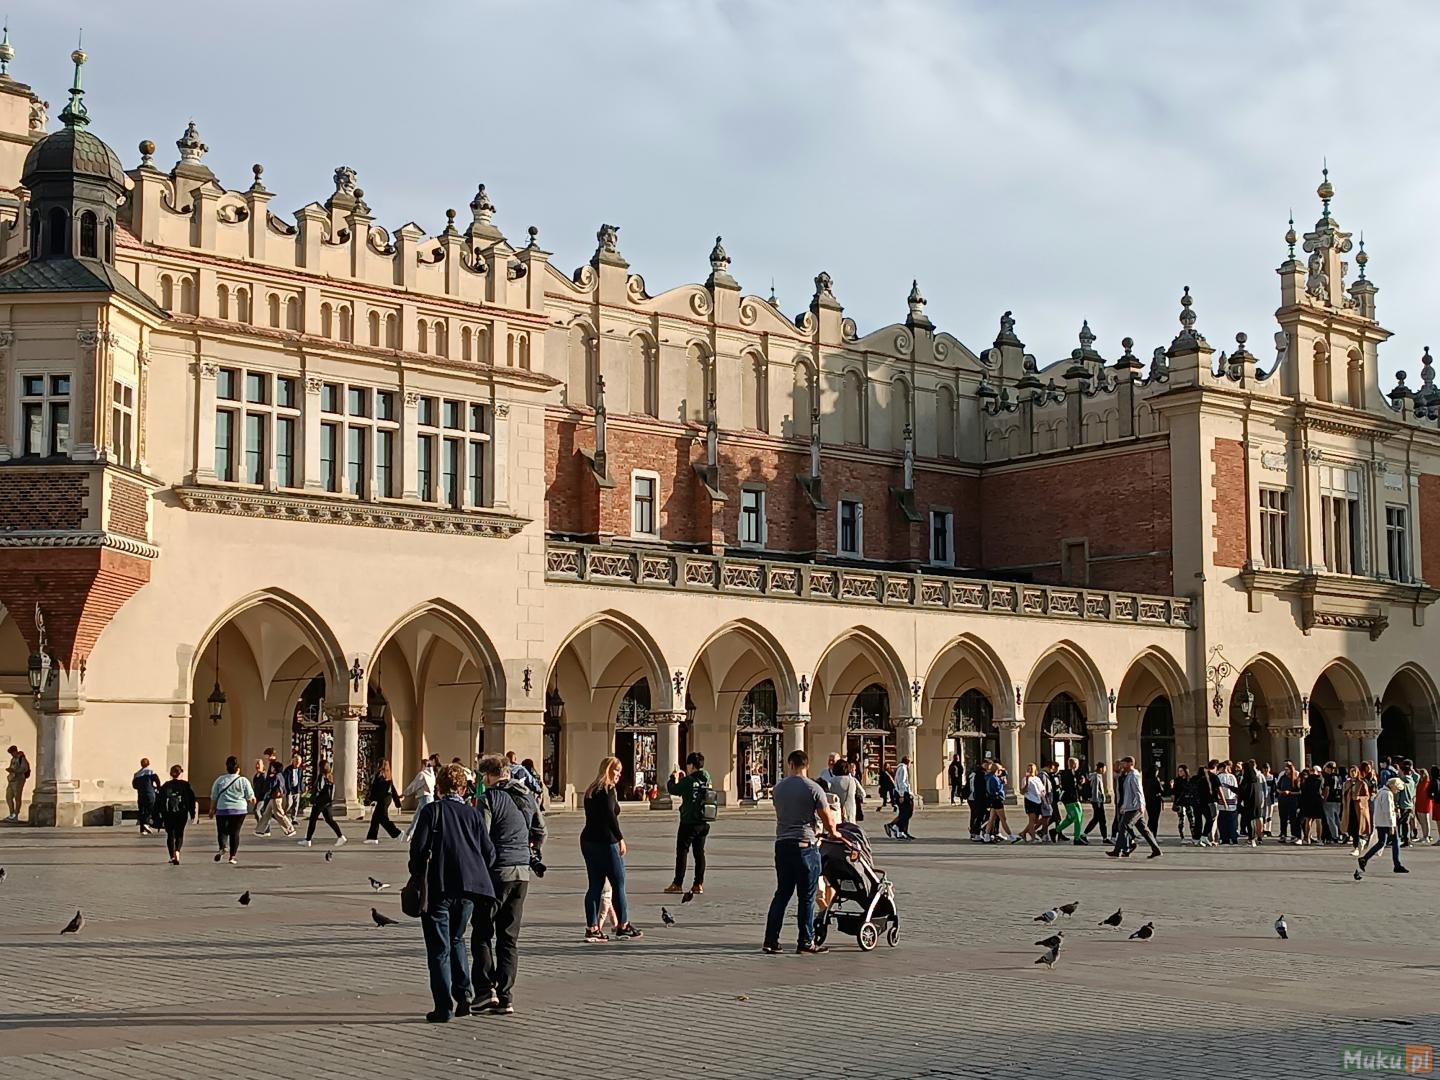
x=376, y=884
x=1048, y=958
x=383, y=920
x=245, y=898
x=1113, y=920
x=666, y=917
x=1070, y=908
x=1048, y=916
x=1282, y=929
x=75, y=925
x=684, y=899
x=1145, y=933
x=1054, y=941
x=329, y=855
x=2, y=873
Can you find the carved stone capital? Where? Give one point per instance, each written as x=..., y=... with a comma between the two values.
x=1294, y=732
x=313, y=384
x=208, y=369
x=7, y=338
x=412, y=398
x=1009, y=724
x=667, y=717
x=502, y=409
x=90, y=338
x=789, y=719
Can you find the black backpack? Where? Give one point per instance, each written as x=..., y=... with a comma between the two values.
x=175, y=802
x=708, y=799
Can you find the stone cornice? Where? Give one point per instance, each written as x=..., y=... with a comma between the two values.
x=333, y=511
x=48, y=539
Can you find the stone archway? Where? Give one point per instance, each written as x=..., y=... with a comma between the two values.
x=1066, y=711
x=844, y=704
x=1264, y=712
x=1146, y=707
x=1340, y=714
x=1409, y=718
x=967, y=690
x=19, y=721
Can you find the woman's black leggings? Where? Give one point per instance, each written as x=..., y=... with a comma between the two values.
x=381, y=819
x=227, y=826
x=318, y=810
x=175, y=832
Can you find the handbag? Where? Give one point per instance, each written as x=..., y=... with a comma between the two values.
x=415, y=896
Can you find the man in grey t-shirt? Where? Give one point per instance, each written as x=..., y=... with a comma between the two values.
x=798, y=801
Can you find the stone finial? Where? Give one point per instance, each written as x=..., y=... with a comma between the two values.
x=916, y=300
x=74, y=115
x=481, y=208
x=192, y=150
x=147, y=154
x=1326, y=191
x=719, y=260
x=1007, y=334
x=7, y=53
x=1188, y=337
x=1087, y=336
x=1290, y=238
x=534, y=234
x=773, y=300
x=361, y=207
x=344, y=180
x=450, y=229
x=1361, y=259
x=1128, y=360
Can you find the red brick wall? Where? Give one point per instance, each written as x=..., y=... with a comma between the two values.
x=1120, y=503
x=1231, y=504
x=1429, y=511
x=574, y=507
x=129, y=509
x=35, y=500
x=79, y=590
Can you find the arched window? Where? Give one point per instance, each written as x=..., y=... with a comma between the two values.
x=1157, y=737
x=167, y=292
x=1323, y=390
x=373, y=320
x=644, y=377
x=1063, y=732
x=442, y=344
x=802, y=399
x=580, y=366
x=466, y=349
x=272, y=308
x=187, y=296
x=899, y=412
x=525, y=351
x=945, y=422
x=635, y=743
x=34, y=234
x=1355, y=379
x=327, y=321
x=59, y=232
x=971, y=730
x=482, y=345
x=222, y=302
x=852, y=409
x=870, y=738
x=346, y=330
x=758, y=742
x=392, y=331
x=754, y=391
x=292, y=313
x=697, y=382
x=109, y=241
x=422, y=336
x=242, y=305
x=89, y=238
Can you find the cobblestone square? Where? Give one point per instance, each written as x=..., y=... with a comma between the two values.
x=171, y=977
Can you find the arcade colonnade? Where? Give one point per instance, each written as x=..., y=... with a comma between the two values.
x=742, y=680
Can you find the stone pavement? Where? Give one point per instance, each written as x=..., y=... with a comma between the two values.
x=172, y=978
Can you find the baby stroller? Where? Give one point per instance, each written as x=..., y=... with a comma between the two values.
x=864, y=902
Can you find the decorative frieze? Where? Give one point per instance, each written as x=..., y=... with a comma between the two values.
x=126, y=544
x=274, y=507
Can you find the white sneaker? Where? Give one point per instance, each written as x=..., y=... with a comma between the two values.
x=303, y=843
x=341, y=840
x=371, y=841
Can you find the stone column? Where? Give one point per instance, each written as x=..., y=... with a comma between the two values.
x=1369, y=742
x=1010, y=730
x=56, y=799
x=793, y=726
x=905, y=730
x=346, y=722
x=1295, y=744
x=1107, y=744
x=667, y=754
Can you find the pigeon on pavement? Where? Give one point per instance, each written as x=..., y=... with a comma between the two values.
x=75, y=925
x=2, y=873
x=329, y=855
x=1070, y=908
x=245, y=898
x=377, y=884
x=383, y=920
x=1281, y=928
x=688, y=897
x=666, y=917
x=1048, y=916
x=1145, y=933
x=1113, y=920
x=1054, y=941
x=1048, y=958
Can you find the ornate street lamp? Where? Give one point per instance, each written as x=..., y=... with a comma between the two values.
x=40, y=663
x=1216, y=672
x=216, y=701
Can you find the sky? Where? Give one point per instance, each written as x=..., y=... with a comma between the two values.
x=1065, y=160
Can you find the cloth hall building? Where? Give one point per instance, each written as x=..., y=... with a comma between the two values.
x=291, y=478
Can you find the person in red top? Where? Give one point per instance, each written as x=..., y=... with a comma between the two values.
x=1424, y=805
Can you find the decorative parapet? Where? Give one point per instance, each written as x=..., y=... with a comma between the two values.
x=334, y=511
x=684, y=572
x=41, y=538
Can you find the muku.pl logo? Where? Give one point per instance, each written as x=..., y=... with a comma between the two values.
x=1398, y=1059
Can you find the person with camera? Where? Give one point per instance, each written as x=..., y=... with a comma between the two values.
x=692, y=788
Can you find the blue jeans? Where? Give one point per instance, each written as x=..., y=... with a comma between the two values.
x=604, y=862
x=797, y=871
x=1229, y=831
x=444, y=926
x=1384, y=837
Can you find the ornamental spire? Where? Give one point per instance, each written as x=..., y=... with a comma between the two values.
x=74, y=114
x=7, y=52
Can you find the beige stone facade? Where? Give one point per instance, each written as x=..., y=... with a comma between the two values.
x=395, y=492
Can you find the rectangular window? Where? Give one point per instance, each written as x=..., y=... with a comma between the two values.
x=285, y=392
x=255, y=448
x=256, y=386
x=355, y=461
x=225, y=444
x=477, y=418
x=285, y=451
x=475, y=475
x=850, y=529
x=425, y=467
x=643, y=490
x=1340, y=519
x=330, y=397
x=122, y=423
x=452, y=414
x=1275, y=528
x=752, y=517
x=227, y=381
x=44, y=415
x=385, y=464
x=425, y=412
x=384, y=405
x=355, y=401
x=450, y=472
x=1397, y=542
x=942, y=538
x=330, y=456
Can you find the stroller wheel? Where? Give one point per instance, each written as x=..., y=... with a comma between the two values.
x=868, y=936
x=822, y=928
x=892, y=936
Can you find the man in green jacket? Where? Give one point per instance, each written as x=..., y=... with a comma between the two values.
x=691, y=788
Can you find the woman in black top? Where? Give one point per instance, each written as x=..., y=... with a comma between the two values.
x=382, y=793
x=603, y=849
x=176, y=801
x=320, y=806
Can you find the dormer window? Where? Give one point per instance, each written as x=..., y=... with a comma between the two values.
x=57, y=245
x=89, y=239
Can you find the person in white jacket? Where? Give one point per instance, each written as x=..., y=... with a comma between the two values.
x=423, y=788
x=1383, y=817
